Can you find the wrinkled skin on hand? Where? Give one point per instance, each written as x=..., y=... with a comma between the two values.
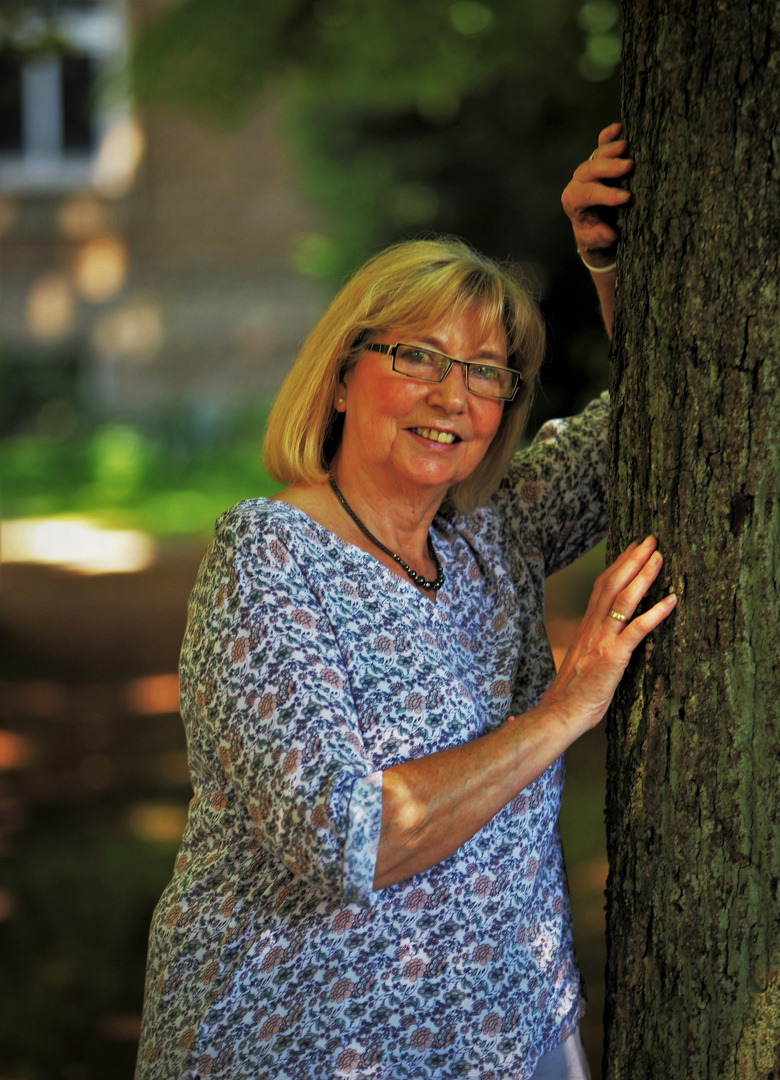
x=592, y=197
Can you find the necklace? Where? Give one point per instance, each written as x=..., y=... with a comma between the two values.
x=418, y=579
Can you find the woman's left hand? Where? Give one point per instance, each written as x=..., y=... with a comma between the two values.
x=433, y=804
x=592, y=194
x=606, y=638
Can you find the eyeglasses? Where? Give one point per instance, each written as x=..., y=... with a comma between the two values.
x=487, y=380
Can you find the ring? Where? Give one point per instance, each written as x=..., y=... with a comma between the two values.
x=592, y=155
x=616, y=615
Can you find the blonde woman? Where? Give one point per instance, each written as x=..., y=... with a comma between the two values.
x=371, y=881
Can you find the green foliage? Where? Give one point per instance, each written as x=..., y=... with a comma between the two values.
x=213, y=62
x=34, y=379
x=406, y=116
x=174, y=475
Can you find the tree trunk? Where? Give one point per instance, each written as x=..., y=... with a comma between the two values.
x=693, y=799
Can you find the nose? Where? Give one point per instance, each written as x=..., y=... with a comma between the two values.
x=451, y=393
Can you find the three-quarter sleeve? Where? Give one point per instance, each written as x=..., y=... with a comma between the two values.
x=272, y=725
x=553, y=498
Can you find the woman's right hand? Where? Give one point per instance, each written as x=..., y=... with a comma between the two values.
x=603, y=644
x=592, y=194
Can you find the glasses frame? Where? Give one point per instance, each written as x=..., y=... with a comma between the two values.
x=392, y=350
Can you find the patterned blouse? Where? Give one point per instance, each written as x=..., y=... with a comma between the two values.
x=308, y=668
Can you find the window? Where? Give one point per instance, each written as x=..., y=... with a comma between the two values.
x=59, y=127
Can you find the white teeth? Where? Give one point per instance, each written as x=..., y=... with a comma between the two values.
x=434, y=435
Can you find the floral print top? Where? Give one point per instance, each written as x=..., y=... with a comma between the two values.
x=308, y=668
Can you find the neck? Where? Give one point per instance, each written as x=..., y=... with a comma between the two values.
x=400, y=518
x=418, y=573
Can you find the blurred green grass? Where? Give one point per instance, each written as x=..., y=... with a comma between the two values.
x=172, y=476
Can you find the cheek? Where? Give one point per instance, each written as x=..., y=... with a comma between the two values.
x=394, y=400
x=488, y=420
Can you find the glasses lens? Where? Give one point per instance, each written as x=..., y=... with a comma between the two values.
x=491, y=381
x=420, y=363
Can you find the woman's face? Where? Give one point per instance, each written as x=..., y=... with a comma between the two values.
x=391, y=421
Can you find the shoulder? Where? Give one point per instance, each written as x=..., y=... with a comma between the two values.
x=587, y=428
x=271, y=542
x=256, y=523
x=255, y=513
x=257, y=544
x=258, y=558
x=574, y=443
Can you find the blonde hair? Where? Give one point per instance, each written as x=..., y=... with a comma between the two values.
x=413, y=285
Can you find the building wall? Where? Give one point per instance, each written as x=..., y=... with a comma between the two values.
x=174, y=285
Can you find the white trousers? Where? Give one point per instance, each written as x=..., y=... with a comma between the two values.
x=565, y=1062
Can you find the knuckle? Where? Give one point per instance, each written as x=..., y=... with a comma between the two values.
x=602, y=580
x=614, y=576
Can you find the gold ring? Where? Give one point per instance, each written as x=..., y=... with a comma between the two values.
x=616, y=615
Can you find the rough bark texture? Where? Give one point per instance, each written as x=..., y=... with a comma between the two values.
x=693, y=803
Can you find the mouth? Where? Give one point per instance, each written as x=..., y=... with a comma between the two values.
x=433, y=435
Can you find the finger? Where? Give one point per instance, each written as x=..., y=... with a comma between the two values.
x=586, y=192
x=638, y=629
x=605, y=161
x=608, y=170
x=622, y=572
x=628, y=599
x=609, y=133
x=606, y=167
x=617, y=149
x=614, y=578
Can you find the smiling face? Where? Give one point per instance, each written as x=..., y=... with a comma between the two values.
x=404, y=435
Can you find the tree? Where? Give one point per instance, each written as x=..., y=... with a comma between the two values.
x=407, y=117
x=693, y=905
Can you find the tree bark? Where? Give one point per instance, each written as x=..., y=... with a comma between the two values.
x=693, y=762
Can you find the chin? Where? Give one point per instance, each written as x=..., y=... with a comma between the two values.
x=434, y=479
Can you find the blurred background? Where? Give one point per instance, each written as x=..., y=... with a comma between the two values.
x=183, y=186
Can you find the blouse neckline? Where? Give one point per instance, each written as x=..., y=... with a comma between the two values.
x=297, y=511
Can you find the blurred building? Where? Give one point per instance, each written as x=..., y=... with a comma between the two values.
x=145, y=261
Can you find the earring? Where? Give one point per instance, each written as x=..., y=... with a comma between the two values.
x=340, y=401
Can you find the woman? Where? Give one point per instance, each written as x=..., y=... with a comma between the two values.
x=371, y=882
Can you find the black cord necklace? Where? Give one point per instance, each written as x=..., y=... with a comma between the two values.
x=418, y=579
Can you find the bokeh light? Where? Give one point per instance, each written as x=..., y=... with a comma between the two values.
x=134, y=332
x=77, y=545
x=120, y=154
x=81, y=218
x=50, y=307
x=101, y=268
x=154, y=695
x=469, y=17
x=158, y=823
